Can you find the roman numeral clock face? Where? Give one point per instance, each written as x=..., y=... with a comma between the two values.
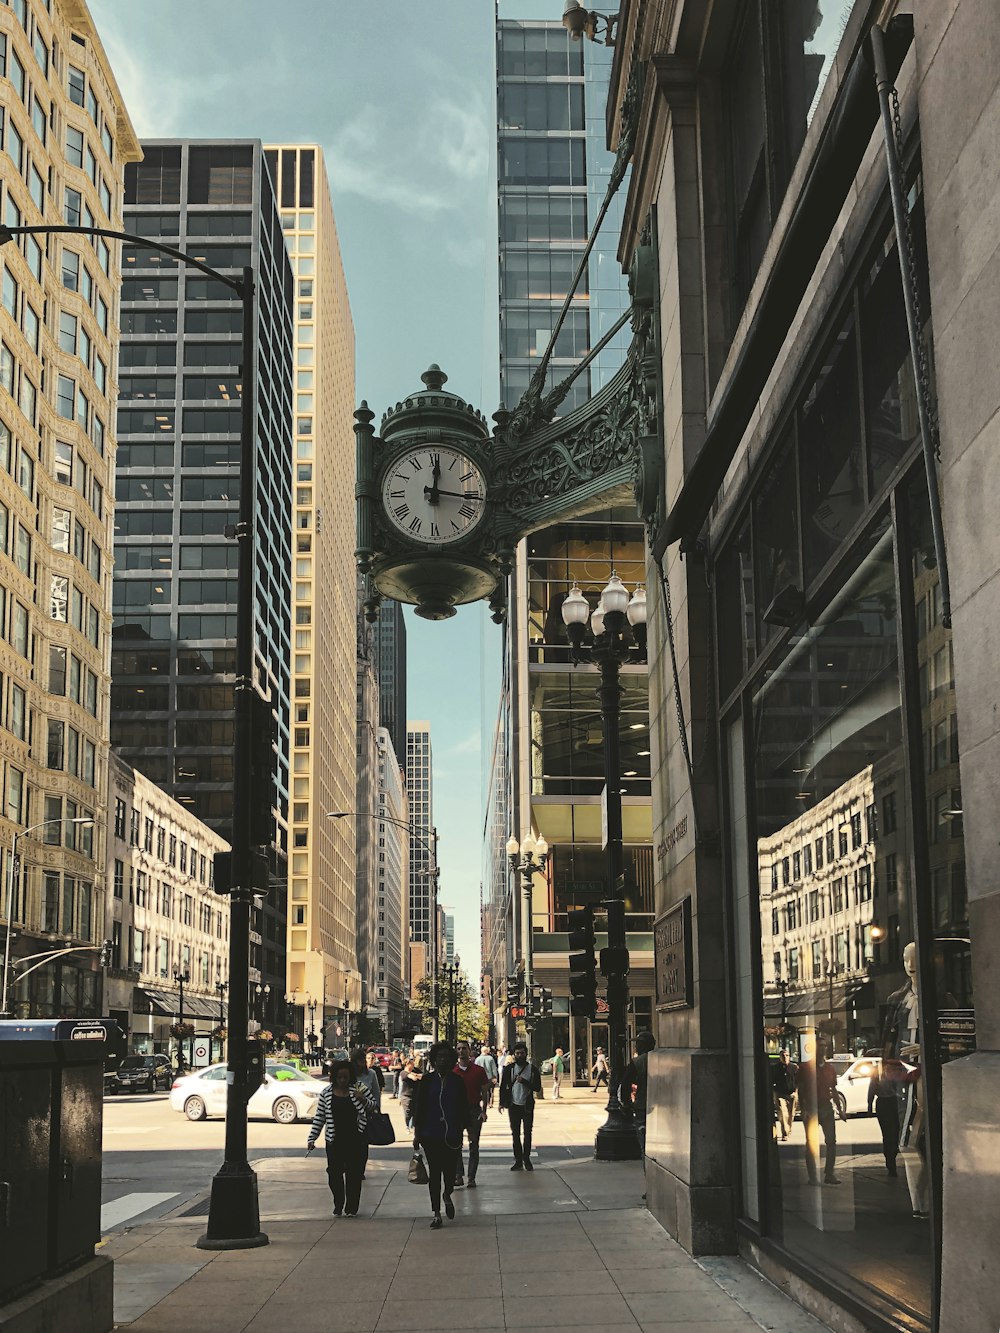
x=434, y=495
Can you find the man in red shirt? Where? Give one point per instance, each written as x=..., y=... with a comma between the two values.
x=477, y=1087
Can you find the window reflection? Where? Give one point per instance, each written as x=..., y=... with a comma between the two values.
x=837, y=915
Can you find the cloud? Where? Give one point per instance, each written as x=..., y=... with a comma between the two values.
x=471, y=744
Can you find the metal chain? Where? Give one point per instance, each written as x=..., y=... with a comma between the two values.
x=923, y=368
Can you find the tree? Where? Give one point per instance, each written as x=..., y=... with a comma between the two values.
x=472, y=1019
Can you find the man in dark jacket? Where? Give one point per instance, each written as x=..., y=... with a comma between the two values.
x=520, y=1085
x=784, y=1081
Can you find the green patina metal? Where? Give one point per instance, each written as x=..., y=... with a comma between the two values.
x=424, y=541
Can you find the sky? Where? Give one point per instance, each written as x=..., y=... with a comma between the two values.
x=401, y=95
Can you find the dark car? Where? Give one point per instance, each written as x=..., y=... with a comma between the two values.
x=143, y=1073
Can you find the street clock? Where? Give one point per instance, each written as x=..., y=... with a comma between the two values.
x=443, y=501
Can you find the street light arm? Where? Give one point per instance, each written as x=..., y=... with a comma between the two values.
x=44, y=957
x=143, y=242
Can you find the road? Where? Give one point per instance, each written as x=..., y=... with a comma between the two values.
x=155, y=1159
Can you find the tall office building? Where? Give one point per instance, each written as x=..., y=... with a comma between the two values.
x=366, y=809
x=393, y=930
x=449, y=937
x=553, y=170
x=390, y=652
x=322, y=929
x=420, y=789
x=177, y=490
x=67, y=139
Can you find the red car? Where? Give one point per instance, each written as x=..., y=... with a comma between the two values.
x=384, y=1055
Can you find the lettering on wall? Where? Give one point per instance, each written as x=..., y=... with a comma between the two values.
x=672, y=955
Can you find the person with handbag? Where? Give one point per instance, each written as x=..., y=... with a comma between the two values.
x=440, y=1118
x=520, y=1084
x=366, y=1078
x=342, y=1115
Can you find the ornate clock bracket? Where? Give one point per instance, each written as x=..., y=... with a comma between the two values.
x=538, y=470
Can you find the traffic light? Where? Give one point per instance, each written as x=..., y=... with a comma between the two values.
x=513, y=988
x=614, y=959
x=222, y=872
x=545, y=1010
x=582, y=965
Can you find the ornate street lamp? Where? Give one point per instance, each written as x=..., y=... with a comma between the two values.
x=181, y=978
x=582, y=22
x=528, y=859
x=618, y=629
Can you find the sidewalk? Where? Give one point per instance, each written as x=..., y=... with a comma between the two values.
x=567, y=1246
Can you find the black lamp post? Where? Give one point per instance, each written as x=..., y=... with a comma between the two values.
x=180, y=978
x=313, y=1039
x=612, y=645
x=528, y=859
x=222, y=987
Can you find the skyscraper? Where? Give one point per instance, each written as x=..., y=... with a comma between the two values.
x=67, y=140
x=390, y=651
x=553, y=169
x=322, y=928
x=366, y=809
x=419, y=786
x=393, y=932
x=177, y=489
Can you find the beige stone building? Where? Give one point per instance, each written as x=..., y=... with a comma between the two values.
x=66, y=139
x=163, y=919
x=322, y=953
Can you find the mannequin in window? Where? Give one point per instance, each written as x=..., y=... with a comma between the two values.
x=901, y=1060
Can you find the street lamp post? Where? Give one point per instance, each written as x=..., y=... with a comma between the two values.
x=313, y=1039
x=617, y=624
x=528, y=859
x=222, y=987
x=180, y=978
x=5, y=1012
x=234, y=1213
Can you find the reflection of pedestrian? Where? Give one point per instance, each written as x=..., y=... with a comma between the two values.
x=783, y=1081
x=600, y=1068
x=520, y=1084
x=816, y=1081
x=883, y=1093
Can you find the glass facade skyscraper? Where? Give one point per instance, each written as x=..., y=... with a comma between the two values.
x=553, y=171
x=390, y=657
x=178, y=483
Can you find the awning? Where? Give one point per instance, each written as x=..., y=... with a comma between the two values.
x=816, y=1002
x=831, y=174
x=167, y=1003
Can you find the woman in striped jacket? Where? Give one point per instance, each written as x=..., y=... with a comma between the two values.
x=343, y=1113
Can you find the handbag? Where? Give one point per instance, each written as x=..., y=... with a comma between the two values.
x=417, y=1174
x=380, y=1130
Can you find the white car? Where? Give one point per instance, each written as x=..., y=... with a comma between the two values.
x=854, y=1080
x=286, y=1095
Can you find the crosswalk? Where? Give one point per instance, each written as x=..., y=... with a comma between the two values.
x=119, y=1211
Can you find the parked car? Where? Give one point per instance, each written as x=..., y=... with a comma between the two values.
x=140, y=1073
x=854, y=1075
x=286, y=1095
x=383, y=1054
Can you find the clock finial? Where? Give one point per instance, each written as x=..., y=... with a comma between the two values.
x=434, y=377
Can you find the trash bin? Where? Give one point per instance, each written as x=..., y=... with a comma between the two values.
x=51, y=1108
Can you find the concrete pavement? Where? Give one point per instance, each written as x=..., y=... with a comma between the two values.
x=567, y=1245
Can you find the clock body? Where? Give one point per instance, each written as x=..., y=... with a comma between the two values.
x=434, y=494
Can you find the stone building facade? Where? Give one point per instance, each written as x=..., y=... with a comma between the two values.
x=821, y=685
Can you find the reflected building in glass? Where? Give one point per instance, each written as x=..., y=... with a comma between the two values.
x=553, y=168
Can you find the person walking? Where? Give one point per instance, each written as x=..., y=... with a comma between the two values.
x=373, y=1063
x=369, y=1079
x=520, y=1084
x=395, y=1070
x=409, y=1081
x=558, y=1069
x=784, y=1078
x=600, y=1068
x=342, y=1115
x=487, y=1060
x=440, y=1116
x=477, y=1089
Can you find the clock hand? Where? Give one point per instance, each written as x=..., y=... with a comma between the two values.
x=455, y=495
x=432, y=491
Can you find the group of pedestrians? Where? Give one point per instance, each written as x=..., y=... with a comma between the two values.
x=444, y=1105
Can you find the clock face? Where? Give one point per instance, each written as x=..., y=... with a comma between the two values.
x=434, y=495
